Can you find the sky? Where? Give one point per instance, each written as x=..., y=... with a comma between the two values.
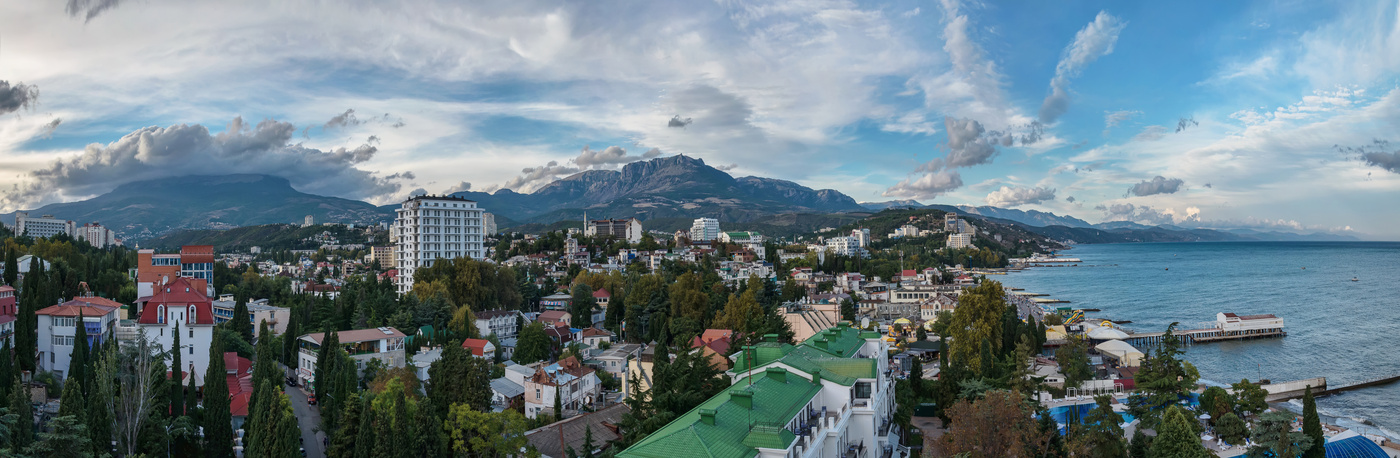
x=1264, y=115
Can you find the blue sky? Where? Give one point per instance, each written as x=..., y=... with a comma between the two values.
x=1266, y=115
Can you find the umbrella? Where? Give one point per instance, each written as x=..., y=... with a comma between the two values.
x=1104, y=333
x=1204, y=416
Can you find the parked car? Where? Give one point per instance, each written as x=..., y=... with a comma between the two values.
x=311, y=400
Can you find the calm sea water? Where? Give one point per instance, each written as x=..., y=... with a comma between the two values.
x=1343, y=330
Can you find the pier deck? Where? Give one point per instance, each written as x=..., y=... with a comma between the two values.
x=1204, y=335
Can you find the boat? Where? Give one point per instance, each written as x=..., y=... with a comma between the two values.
x=1354, y=279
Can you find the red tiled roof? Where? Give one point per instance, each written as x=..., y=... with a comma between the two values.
x=236, y=365
x=602, y=293
x=553, y=316
x=94, y=300
x=4, y=288
x=74, y=307
x=238, y=404
x=477, y=346
x=590, y=332
x=180, y=292
x=909, y=273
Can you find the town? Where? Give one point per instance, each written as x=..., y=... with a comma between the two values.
x=882, y=339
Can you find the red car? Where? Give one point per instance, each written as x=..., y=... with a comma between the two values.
x=311, y=400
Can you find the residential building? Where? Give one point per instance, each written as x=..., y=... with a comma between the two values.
x=714, y=345
x=556, y=301
x=614, y=360
x=601, y=297
x=480, y=348
x=259, y=311
x=181, y=302
x=594, y=337
x=830, y=396
x=566, y=438
x=842, y=246
x=308, y=221
x=553, y=317
x=575, y=384
x=42, y=227
x=950, y=222
x=383, y=256
x=384, y=344
x=8, y=314
x=861, y=237
x=57, y=326
x=506, y=394
x=960, y=241
x=741, y=237
x=913, y=294
x=238, y=374
x=625, y=229
x=423, y=360
x=96, y=235
x=704, y=229
x=504, y=324
x=195, y=262
x=806, y=320
x=929, y=308
x=428, y=228
x=488, y=224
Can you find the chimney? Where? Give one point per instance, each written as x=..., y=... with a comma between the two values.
x=817, y=377
x=707, y=416
x=770, y=338
x=820, y=342
x=777, y=373
x=742, y=398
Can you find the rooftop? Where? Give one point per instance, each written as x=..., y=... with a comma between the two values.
x=358, y=335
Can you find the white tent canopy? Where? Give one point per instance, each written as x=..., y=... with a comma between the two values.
x=1121, y=351
x=1107, y=333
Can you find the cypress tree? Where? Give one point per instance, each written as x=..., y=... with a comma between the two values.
x=1312, y=426
x=218, y=420
x=192, y=396
x=77, y=363
x=26, y=324
x=72, y=402
x=11, y=266
x=23, y=430
x=99, y=411
x=177, y=368
x=364, y=441
x=7, y=370
x=342, y=443
x=264, y=371
x=239, y=323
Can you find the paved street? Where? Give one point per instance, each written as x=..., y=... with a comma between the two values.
x=309, y=419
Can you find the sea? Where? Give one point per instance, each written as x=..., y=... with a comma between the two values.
x=1347, y=331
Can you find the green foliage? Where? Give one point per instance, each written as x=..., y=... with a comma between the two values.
x=231, y=341
x=11, y=265
x=1140, y=446
x=1231, y=428
x=1217, y=402
x=1073, y=357
x=848, y=309
x=23, y=432
x=532, y=345
x=239, y=325
x=1100, y=435
x=217, y=419
x=1312, y=427
x=976, y=319
x=1250, y=397
x=1162, y=380
x=459, y=378
x=581, y=307
x=475, y=284
x=176, y=385
x=474, y=433
x=1274, y=437
x=677, y=386
x=78, y=360
x=66, y=437
x=1176, y=438
x=278, y=434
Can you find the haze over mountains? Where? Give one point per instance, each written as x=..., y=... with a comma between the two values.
x=669, y=188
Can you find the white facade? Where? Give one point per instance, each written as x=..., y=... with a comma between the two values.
x=862, y=237
x=704, y=229
x=42, y=227
x=96, y=235
x=430, y=228
x=54, y=337
x=488, y=223
x=842, y=246
x=959, y=240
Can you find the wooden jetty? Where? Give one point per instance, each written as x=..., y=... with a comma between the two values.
x=1228, y=326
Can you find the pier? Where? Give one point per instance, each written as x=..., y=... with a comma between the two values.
x=1280, y=392
x=1227, y=326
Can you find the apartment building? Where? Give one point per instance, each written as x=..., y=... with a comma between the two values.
x=180, y=306
x=428, y=228
x=704, y=229
x=504, y=324
x=195, y=262
x=960, y=241
x=625, y=229
x=830, y=396
x=577, y=385
x=259, y=311
x=58, y=325
x=384, y=344
x=42, y=227
x=96, y=235
x=383, y=256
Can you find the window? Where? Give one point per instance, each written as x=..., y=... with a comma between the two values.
x=160, y=314
x=191, y=349
x=863, y=390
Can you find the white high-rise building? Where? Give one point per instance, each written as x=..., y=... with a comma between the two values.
x=843, y=246
x=862, y=237
x=96, y=235
x=428, y=228
x=959, y=240
x=42, y=227
x=704, y=229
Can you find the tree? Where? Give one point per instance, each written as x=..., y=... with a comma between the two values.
x=998, y=425
x=24, y=425
x=688, y=299
x=1250, y=397
x=1163, y=379
x=342, y=443
x=1217, y=402
x=1274, y=437
x=848, y=307
x=72, y=404
x=1176, y=438
x=11, y=266
x=1074, y=362
x=217, y=417
x=67, y=436
x=78, y=360
x=32, y=298
x=459, y=378
x=7, y=370
x=532, y=345
x=741, y=314
x=1141, y=445
x=99, y=412
x=240, y=323
x=177, y=370
x=920, y=333
x=581, y=307
x=278, y=434
x=978, y=317
x=1231, y=428
x=485, y=434
x=1100, y=436
x=139, y=371
x=1312, y=426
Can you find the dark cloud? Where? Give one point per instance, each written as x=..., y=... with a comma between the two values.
x=372, y=139
x=1208, y=185
x=401, y=176
x=1011, y=197
x=726, y=168
x=1157, y=185
x=346, y=119
x=90, y=8
x=159, y=152
x=1388, y=161
x=1055, y=104
x=51, y=126
x=677, y=121
x=418, y=192
x=966, y=144
x=16, y=97
x=1069, y=199
x=1183, y=123
x=459, y=187
x=652, y=153
x=609, y=157
x=1375, y=154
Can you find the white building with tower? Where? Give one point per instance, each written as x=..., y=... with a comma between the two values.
x=428, y=228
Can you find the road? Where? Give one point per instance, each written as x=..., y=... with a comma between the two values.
x=309, y=419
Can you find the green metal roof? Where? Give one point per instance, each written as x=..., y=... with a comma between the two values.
x=737, y=430
x=761, y=355
x=842, y=342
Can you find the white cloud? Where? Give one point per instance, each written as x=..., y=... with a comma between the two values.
x=1095, y=40
x=927, y=186
x=1012, y=197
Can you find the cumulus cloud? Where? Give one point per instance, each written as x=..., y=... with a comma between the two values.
x=1012, y=197
x=652, y=153
x=459, y=187
x=676, y=121
x=1183, y=123
x=51, y=126
x=159, y=152
x=346, y=119
x=532, y=178
x=930, y=185
x=1093, y=41
x=1157, y=185
x=609, y=157
x=17, y=96
x=89, y=8
x=966, y=144
x=726, y=168
x=401, y=176
x=1148, y=215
